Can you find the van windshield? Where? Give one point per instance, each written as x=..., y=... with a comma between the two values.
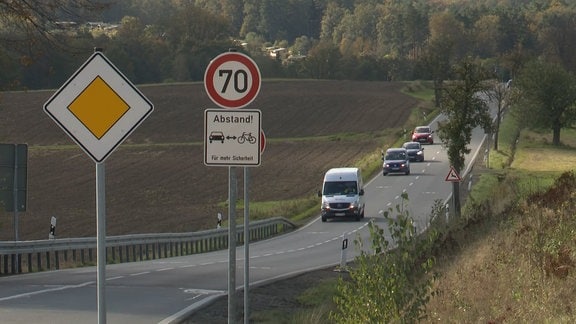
x=340, y=188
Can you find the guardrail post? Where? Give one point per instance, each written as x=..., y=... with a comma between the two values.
x=13, y=264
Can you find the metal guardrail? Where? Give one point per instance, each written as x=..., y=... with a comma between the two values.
x=30, y=256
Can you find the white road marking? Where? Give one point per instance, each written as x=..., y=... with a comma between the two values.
x=38, y=292
x=202, y=291
x=139, y=273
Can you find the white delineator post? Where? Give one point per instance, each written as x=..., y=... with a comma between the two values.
x=343, y=252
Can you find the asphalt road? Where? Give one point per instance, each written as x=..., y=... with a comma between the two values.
x=162, y=291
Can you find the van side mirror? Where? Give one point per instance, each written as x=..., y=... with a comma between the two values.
x=319, y=193
x=361, y=193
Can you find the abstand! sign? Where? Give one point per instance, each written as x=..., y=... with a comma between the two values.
x=232, y=137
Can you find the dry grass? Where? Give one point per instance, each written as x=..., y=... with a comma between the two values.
x=515, y=264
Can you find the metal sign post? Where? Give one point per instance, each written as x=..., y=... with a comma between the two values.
x=246, y=247
x=101, y=239
x=232, y=194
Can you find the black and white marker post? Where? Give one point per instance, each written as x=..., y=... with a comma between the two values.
x=343, y=252
x=52, y=233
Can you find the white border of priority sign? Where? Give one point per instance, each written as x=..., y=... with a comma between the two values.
x=139, y=107
x=232, y=80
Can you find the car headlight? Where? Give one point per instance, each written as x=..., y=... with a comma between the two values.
x=325, y=205
x=420, y=153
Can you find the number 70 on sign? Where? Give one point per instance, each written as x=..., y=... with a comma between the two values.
x=232, y=80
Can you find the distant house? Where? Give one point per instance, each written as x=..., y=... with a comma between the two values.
x=66, y=24
x=277, y=52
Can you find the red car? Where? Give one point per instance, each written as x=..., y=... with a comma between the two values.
x=423, y=134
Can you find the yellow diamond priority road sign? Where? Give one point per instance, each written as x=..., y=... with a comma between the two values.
x=98, y=107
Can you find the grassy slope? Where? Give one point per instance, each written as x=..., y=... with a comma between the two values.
x=499, y=271
x=491, y=274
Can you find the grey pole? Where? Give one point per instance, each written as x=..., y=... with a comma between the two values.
x=232, y=246
x=246, y=246
x=101, y=240
x=15, y=199
x=16, y=259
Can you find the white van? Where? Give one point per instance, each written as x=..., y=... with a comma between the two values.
x=342, y=194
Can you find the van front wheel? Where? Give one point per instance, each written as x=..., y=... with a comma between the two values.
x=323, y=219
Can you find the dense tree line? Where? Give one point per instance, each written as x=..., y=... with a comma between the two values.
x=173, y=40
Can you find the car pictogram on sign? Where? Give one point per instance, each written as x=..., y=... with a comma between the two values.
x=216, y=136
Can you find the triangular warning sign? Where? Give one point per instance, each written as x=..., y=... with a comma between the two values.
x=453, y=176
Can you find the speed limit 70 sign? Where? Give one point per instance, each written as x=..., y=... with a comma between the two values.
x=232, y=80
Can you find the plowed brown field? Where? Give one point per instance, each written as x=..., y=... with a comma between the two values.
x=156, y=180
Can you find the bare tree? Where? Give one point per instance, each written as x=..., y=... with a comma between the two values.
x=503, y=95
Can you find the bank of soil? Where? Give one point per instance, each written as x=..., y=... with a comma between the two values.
x=279, y=298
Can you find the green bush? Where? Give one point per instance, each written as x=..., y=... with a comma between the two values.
x=393, y=281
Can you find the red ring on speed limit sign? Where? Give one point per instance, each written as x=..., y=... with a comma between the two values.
x=232, y=80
